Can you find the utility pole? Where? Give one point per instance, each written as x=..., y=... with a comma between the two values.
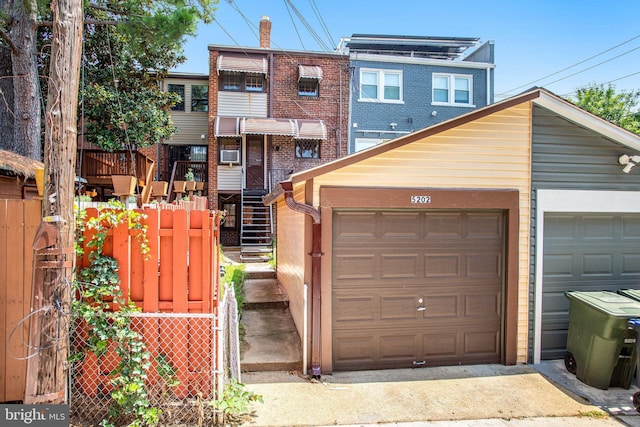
x=60, y=141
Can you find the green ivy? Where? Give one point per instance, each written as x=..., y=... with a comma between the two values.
x=99, y=287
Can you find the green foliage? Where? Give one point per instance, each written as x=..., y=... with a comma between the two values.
x=234, y=273
x=189, y=176
x=99, y=288
x=235, y=400
x=619, y=108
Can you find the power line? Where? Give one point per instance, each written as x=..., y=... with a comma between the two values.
x=593, y=66
x=314, y=6
x=294, y=24
x=306, y=24
x=605, y=83
x=569, y=67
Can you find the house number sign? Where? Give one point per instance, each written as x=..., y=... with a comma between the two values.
x=420, y=200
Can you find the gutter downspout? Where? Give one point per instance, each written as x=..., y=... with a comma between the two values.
x=316, y=254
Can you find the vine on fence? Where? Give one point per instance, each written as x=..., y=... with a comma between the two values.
x=103, y=306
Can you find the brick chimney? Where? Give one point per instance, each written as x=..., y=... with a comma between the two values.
x=265, y=32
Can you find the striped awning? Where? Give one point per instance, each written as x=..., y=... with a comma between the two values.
x=311, y=129
x=226, y=126
x=243, y=63
x=309, y=72
x=298, y=128
x=268, y=126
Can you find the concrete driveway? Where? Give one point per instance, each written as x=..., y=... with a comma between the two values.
x=495, y=394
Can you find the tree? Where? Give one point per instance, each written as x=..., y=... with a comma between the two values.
x=129, y=45
x=618, y=108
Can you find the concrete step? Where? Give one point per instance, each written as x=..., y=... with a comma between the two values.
x=264, y=293
x=271, y=341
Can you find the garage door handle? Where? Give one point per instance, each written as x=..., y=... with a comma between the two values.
x=422, y=362
x=421, y=308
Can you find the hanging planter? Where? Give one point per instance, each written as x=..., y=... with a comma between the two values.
x=178, y=186
x=199, y=185
x=190, y=185
x=123, y=184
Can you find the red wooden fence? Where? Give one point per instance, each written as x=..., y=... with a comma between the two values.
x=180, y=274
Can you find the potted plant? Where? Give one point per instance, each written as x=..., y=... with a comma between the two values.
x=159, y=188
x=190, y=179
x=123, y=184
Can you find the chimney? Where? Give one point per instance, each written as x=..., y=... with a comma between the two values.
x=265, y=32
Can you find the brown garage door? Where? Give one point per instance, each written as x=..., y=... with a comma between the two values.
x=416, y=288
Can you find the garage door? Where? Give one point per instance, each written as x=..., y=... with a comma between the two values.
x=584, y=252
x=416, y=288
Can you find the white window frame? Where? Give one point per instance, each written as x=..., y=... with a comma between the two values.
x=364, y=143
x=380, y=74
x=452, y=89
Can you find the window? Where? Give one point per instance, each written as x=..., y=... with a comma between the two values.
x=308, y=87
x=230, y=215
x=364, y=143
x=452, y=89
x=179, y=89
x=200, y=98
x=380, y=85
x=308, y=148
x=254, y=82
x=242, y=82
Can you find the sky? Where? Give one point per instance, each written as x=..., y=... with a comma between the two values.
x=560, y=45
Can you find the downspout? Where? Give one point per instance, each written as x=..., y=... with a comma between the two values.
x=316, y=254
x=270, y=84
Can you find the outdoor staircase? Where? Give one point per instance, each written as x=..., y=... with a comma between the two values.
x=257, y=228
x=271, y=341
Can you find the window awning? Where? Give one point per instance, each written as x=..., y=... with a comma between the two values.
x=242, y=63
x=311, y=129
x=268, y=126
x=226, y=126
x=309, y=72
x=298, y=128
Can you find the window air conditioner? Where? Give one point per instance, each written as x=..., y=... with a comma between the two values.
x=229, y=156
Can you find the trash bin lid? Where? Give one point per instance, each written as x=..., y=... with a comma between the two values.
x=613, y=304
x=631, y=293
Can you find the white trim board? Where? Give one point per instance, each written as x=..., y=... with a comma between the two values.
x=571, y=201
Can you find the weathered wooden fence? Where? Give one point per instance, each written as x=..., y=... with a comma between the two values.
x=19, y=221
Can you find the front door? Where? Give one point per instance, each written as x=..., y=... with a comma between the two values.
x=255, y=161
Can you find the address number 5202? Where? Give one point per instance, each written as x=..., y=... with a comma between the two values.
x=421, y=200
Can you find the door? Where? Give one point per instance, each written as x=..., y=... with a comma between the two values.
x=255, y=162
x=414, y=288
x=584, y=252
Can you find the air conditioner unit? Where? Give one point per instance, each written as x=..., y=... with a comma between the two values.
x=229, y=156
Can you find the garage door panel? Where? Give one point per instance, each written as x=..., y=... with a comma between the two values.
x=483, y=264
x=584, y=252
x=484, y=225
x=597, y=264
x=354, y=266
x=353, y=309
x=455, y=268
x=399, y=266
x=630, y=263
x=355, y=226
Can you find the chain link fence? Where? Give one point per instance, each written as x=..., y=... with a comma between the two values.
x=183, y=379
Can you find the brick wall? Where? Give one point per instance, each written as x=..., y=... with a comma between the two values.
x=331, y=106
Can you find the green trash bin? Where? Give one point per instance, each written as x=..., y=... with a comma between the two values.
x=601, y=346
